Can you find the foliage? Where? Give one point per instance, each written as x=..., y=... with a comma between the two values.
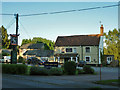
x=70, y=67
x=14, y=68
x=81, y=71
x=20, y=59
x=109, y=82
x=5, y=40
x=112, y=44
x=49, y=45
x=44, y=71
x=56, y=71
x=38, y=71
x=88, y=70
x=5, y=54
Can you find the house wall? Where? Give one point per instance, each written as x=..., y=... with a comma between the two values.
x=81, y=50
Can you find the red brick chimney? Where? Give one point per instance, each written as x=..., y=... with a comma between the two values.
x=101, y=30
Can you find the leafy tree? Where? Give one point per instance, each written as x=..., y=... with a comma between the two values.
x=112, y=43
x=5, y=40
x=48, y=44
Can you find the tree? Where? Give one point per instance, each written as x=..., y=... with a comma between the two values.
x=112, y=43
x=48, y=44
x=5, y=40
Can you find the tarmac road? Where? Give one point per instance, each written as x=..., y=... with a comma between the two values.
x=78, y=81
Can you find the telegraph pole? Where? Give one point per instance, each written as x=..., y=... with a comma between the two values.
x=14, y=43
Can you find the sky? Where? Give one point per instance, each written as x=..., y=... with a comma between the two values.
x=53, y=25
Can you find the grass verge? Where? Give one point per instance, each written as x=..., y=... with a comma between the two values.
x=113, y=82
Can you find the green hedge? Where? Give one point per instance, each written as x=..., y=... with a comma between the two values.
x=88, y=69
x=38, y=71
x=70, y=67
x=14, y=68
x=81, y=71
x=44, y=71
x=56, y=71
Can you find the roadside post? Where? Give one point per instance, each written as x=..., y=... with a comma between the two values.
x=100, y=71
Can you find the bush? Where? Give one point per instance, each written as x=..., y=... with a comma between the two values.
x=20, y=59
x=70, y=67
x=14, y=68
x=88, y=69
x=81, y=71
x=56, y=71
x=38, y=71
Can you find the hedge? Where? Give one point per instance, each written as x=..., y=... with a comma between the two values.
x=56, y=71
x=14, y=68
x=38, y=71
x=44, y=71
x=88, y=69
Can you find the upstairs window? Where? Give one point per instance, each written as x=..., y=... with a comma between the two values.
x=87, y=49
x=62, y=50
x=74, y=50
x=68, y=49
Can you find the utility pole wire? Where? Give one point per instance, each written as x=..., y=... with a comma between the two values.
x=10, y=23
x=25, y=30
x=66, y=11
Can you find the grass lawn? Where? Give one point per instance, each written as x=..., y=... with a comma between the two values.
x=113, y=82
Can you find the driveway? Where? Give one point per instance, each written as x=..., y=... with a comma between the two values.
x=78, y=81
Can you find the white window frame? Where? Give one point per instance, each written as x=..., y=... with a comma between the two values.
x=89, y=57
x=86, y=47
x=69, y=52
x=61, y=50
x=74, y=50
x=109, y=59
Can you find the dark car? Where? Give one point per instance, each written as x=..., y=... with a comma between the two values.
x=33, y=60
x=81, y=63
x=41, y=62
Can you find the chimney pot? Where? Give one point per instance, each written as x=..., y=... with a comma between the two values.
x=101, y=30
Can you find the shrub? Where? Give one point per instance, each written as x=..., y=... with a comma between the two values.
x=38, y=71
x=88, y=69
x=56, y=71
x=81, y=71
x=70, y=67
x=20, y=59
x=14, y=68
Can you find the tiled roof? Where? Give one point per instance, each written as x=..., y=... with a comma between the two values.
x=32, y=46
x=78, y=40
x=40, y=53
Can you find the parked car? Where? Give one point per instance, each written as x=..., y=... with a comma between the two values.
x=41, y=62
x=33, y=60
x=81, y=63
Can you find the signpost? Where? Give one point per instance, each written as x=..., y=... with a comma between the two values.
x=50, y=64
x=14, y=43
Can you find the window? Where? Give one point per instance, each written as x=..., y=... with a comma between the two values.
x=62, y=50
x=87, y=49
x=68, y=49
x=109, y=58
x=87, y=58
x=74, y=50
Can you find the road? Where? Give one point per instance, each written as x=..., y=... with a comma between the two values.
x=78, y=81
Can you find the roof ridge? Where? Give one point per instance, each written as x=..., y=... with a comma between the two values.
x=81, y=35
